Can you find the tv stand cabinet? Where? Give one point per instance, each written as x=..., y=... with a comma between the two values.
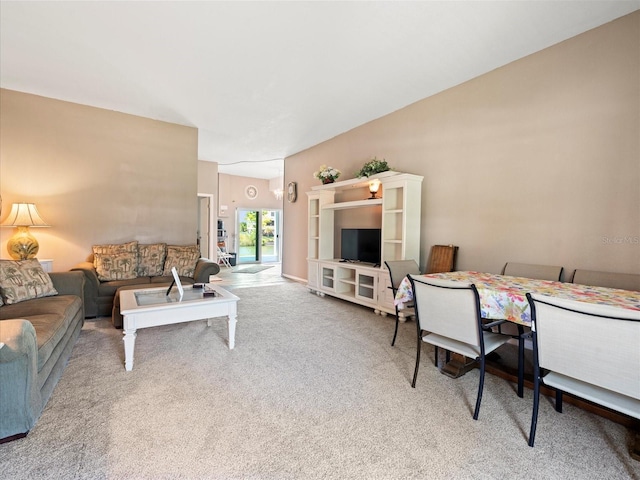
x=362, y=283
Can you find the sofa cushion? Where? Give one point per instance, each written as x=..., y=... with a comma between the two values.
x=184, y=258
x=169, y=279
x=22, y=280
x=112, y=248
x=151, y=259
x=49, y=316
x=108, y=289
x=116, y=266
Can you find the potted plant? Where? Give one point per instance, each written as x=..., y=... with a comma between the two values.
x=372, y=167
x=327, y=174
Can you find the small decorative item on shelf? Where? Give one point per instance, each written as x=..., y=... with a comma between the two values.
x=372, y=167
x=374, y=186
x=327, y=174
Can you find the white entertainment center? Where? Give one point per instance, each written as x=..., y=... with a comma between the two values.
x=398, y=210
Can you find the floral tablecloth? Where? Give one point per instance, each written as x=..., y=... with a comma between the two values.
x=503, y=297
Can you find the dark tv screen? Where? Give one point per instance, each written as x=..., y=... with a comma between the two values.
x=361, y=244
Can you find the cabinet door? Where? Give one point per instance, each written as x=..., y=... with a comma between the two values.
x=327, y=278
x=366, y=286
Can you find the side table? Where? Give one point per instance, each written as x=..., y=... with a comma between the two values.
x=47, y=264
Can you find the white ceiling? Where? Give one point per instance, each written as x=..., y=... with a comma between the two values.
x=264, y=80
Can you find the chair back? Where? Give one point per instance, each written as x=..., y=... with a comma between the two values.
x=596, y=344
x=624, y=281
x=528, y=270
x=398, y=269
x=442, y=258
x=447, y=308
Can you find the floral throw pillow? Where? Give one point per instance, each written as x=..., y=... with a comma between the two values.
x=184, y=258
x=151, y=259
x=116, y=266
x=22, y=280
x=130, y=247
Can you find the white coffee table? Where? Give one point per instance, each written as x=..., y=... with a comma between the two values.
x=151, y=307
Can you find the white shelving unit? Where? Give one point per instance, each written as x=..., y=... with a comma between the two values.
x=361, y=283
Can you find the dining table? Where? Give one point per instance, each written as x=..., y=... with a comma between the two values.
x=504, y=298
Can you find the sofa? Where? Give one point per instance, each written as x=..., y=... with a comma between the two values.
x=38, y=335
x=114, y=266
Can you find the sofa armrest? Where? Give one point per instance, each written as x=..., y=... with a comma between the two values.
x=69, y=283
x=205, y=268
x=20, y=400
x=91, y=284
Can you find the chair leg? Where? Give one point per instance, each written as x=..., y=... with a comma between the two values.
x=536, y=401
x=480, y=388
x=418, y=348
x=558, y=401
x=520, y=361
x=415, y=372
x=395, y=334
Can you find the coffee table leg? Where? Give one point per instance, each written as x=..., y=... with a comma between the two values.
x=232, y=330
x=129, y=344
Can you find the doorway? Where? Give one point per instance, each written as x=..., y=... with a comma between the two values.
x=259, y=236
x=205, y=234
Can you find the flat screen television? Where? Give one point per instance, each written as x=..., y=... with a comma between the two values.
x=361, y=245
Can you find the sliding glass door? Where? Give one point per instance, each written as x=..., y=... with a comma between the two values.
x=258, y=236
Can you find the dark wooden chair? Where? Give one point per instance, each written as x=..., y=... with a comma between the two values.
x=442, y=258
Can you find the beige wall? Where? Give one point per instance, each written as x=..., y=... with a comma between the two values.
x=208, y=186
x=232, y=196
x=96, y=176
x=208, y=177
x=538, y=161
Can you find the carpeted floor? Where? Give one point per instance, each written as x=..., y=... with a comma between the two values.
x=313, y=390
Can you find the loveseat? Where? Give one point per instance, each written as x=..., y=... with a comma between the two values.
x=38, y=335
x=113, y=266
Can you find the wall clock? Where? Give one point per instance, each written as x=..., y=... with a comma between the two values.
x=292, y=192
x=251, y=192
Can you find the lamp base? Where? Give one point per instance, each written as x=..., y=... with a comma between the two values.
x=23, y=245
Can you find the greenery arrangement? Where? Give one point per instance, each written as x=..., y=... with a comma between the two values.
x=372, y=167
x=327, y=174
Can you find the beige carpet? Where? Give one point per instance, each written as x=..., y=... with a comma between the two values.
x=313, y=390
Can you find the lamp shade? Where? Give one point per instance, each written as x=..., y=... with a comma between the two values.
x=24, y=215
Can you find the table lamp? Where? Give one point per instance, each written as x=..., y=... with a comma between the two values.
x=374, y=186
x=23, y=245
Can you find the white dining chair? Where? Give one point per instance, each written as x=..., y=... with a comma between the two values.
x=624, y=281
x=398, y=270
x=448, y=316
x=530, y=270
x=588, y=350
x=538, y=272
